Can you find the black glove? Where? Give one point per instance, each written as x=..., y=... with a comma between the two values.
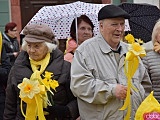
x=58, y=111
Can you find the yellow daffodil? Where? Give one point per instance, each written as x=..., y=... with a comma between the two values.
x=139, y=41
x=28, y=88
x=48, y=75
x=129, y=38
x=137, y=49
x=48, y=82
x=54, y=84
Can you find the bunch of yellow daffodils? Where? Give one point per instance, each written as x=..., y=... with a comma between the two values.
x=33, y=92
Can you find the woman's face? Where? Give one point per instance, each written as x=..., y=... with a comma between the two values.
x=37, y=51
x=13, y=33
x=84, y=32
x=158, y=36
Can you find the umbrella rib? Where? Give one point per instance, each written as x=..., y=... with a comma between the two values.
x=144, y=15
x=140, y=25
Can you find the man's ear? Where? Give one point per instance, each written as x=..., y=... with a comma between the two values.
x=100, y=24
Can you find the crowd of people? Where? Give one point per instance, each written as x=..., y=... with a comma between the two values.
x=87, y=82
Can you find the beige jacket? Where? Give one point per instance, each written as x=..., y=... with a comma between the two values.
x=95, y=73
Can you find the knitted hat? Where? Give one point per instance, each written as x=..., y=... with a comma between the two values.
x=112, y=11
x=38, y=33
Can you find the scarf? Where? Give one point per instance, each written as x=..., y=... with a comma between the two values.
x=35, y=106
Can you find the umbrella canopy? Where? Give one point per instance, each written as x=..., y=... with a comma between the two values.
x=143, y=19
x=60, y=17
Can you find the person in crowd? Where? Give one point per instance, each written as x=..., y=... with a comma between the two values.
x=5, y=67
x=10, y=41
x=151, y=61
x=97, y=72
x=40, y=55
x=84, y=31
x=148, y=46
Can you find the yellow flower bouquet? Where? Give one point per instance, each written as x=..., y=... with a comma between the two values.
x=135, y=50
x=34, y=93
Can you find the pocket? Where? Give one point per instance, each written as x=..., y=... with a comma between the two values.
x=111, y=80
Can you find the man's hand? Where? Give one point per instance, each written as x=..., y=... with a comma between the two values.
x=121, y=92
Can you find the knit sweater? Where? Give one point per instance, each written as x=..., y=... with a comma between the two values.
x=152, y=63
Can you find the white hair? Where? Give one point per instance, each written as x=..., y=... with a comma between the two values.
x=50, y=46
x=155, y=31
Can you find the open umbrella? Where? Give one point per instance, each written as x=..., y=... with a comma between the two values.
x=143, y=19
x=60, y=17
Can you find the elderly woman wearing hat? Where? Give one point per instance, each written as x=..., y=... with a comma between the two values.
x=39, y=81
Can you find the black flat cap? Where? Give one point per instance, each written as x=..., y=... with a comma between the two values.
x=112, y=11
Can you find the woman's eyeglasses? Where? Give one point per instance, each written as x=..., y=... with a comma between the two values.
x=14, y=30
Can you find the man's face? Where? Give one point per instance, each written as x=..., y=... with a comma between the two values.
x=37, y=51
x=84, y=32
x=112, y=30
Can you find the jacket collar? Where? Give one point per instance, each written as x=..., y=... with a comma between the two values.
x=6, y=37
x=104, y=46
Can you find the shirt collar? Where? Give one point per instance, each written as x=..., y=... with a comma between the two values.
x=118, y=49
x=105, y=47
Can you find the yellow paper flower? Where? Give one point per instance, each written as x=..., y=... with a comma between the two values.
x=139, y=41
x=54, y=84
x=130, y=39
x=137, y=49
x=28, y=88
x=48, y=82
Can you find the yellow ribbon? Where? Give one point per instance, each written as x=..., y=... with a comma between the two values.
x=35, y=108
x=66, y=45
x=0, y=44
x=131, y=65
x=34, y=105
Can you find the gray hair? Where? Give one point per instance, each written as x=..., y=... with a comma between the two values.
x=50, y=46
x=155, y=31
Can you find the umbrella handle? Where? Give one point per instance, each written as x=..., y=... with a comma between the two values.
x=76, y=30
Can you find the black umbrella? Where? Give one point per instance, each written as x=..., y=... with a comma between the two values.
x=143, y=19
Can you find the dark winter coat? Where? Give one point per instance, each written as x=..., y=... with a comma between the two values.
x=4, y=71
x=63, y=95
x=11, y=45
x=5, y=67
